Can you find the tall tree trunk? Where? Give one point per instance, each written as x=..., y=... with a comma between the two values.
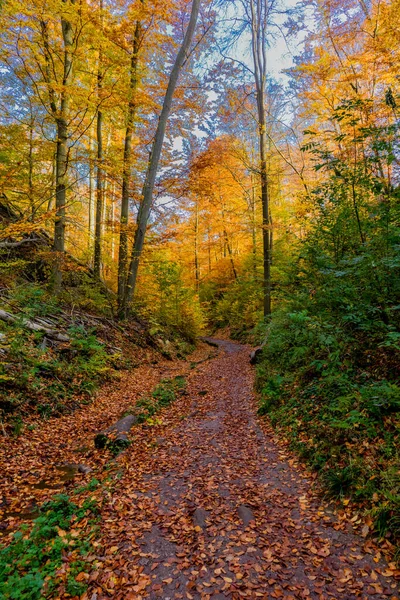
x=61, y=120
x=148, y=187
x=196, y=246
x=61, y=186
x=53, y=182
x=30, y=169
x=253, y=227
x=123, y=236
x=99, y=163
x=266, y=223
x=259, y=12
x=209, y=250
x=91, y=220
x=99, y=195
x=227, y=246
x=230, y=253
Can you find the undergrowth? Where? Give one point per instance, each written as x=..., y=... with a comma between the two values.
x=163, y=395
x=50, y=556
x=328, y=380
x=37, y=375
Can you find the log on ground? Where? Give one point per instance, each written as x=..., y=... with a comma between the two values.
x=30, y=324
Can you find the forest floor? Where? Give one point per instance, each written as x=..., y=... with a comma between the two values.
x=204, y=504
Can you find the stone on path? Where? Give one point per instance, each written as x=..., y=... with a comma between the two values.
x=245, y=514
x=199, y=517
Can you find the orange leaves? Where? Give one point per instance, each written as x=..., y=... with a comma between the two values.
x=211, y=454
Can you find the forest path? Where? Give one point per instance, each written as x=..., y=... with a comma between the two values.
x=38, y=463
x=212, y=507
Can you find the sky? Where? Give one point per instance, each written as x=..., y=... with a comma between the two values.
x=281, y=52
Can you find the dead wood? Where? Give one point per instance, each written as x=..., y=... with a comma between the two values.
x=51, y=333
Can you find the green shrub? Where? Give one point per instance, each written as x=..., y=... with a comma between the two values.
x=325, y=381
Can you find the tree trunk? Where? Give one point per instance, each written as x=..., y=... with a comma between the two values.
x=53, y=182
x=99, y=195
x=99, y=164
x=227, y=246
x=91, y=220
x=196, y=247
x=30, y=168
x=62, y=149
x=230, y=253
x=259, y=12
x=266, y=225
x=123, y=236
x=253, y=227
x=209, y=250
x=148, y=187
x=59, y=225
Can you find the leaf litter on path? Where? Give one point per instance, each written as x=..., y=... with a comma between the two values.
x=210, y=506
x=51, y=456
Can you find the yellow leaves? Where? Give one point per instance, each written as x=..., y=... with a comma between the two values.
x=61, y=532
x=25, y=227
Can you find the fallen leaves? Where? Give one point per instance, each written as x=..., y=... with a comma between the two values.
x=217, y=460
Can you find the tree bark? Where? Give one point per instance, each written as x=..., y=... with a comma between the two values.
x=196, y=246
x=266, y=223
x=99, y=163
x=259, y=10
x=62, y=148
x=148, y=187
x=30, y=167
x=123, y=236
x=60, y=115
x=91, y=220
x=99, y=196
x=253, y=227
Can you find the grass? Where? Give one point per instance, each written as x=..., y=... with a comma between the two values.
x=163, y=395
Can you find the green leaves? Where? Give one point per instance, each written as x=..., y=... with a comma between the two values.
x=41, y=376
x=28, y=566
x=163, y=395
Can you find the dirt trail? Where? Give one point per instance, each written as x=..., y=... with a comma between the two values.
x=37, y=464
x=209, y=506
